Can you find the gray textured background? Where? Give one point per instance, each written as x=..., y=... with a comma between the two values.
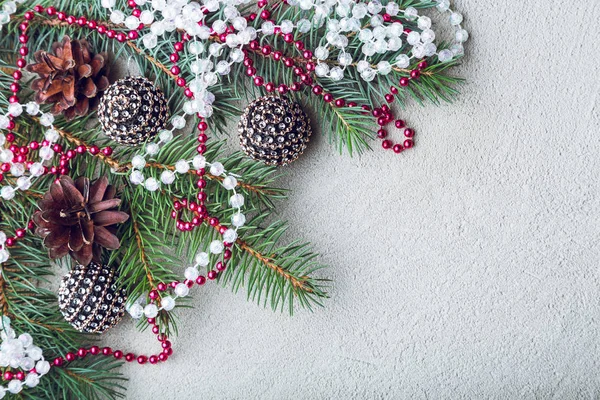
x=467, y=267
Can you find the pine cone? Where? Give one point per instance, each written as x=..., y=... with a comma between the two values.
x=75, y=218
x=71, y=78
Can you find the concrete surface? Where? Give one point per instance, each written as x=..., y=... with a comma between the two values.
x=465, y=268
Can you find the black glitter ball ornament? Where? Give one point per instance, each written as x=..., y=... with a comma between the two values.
x=90, y=300
x=274, y=130
x=132, y=110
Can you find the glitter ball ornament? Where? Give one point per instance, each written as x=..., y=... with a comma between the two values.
x=132, y=111
x=274, y=130
x=90, y=300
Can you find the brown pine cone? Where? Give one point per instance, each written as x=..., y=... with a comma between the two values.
x=71, y=77
x=75, y=218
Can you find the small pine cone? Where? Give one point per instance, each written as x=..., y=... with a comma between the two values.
x=70, y=77
x=77, y=218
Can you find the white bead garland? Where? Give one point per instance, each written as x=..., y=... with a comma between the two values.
x=20, y=353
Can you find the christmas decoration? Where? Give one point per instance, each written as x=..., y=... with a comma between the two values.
x=132, y=111
x=70, y=77
x=349, y=70
x=274, y=130
x=90, y=299
x=76, y=218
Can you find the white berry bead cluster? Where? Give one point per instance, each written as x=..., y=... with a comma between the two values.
x=20, y=353
x=18, y=169
x=8, y=8
x=346, y=17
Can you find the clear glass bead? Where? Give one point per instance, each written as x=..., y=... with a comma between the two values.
x=402, y=61
x=167, y=303
x=384, y=67
x=413, y=38
x=136, y=177
x=202, y=259
x=427, y=36
x=230, y=236
x=167, y=177
x=47, y=119
x=108, y=3
x=237, y=200
x=336, y=74
x=23, y=183
x=182, y=290
x=32, y=108
x=182, y=167
x=411, y=13
x=138, y=162
x=286, y=26
x=147, y=17
x=117, y=17
x=191, y=273
x=392, y=9
x=165, y=136
x=216, y=247
x=456, y=18
x=152, y=184
x=217, y=169
x=445, y=55
x=199, y=162
x=230, y=182
x=150, y=40
x=15, y=109
x=150, y=311
x=238, y=219
x=4, y=255
x=461, y=35
x=321, y=53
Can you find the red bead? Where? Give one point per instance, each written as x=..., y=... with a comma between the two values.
x=111, y=34
x=118, y=354
x=400, y=123
x=181, y=82
x=57, y=148
x=58, y=361
x=107, y=351
x=20, y=375
x=288, y=62
x=153, y=294
x=307, y=54
x=50, y=10
x=415, y=74
x=340, y=103
x=254, y=45
x=71, y=19
x=394, y=90
x=265, y=14
x=82, y=21
x=161, y=287
x=92, y=24
x=296, y=86
x=23, y=51
x=129, y=357
x=259, y=81
x=155, y=329
x=82, y=352
x=11, y=241
x=277, y=55
x=142, y=359
x=107, y=151
x=220, y=266
x=212, y=275
x=174, y=57
x=175, y=70
x=200, y=280
x=153, y=359
x=201, y=183
x=102, y=29
x=94, y=150
x=283, y=89
x=397, y=148
x=162, y=357
x=28, y=15
x=81, y=149
x=133, y=35
x=328, y=97
x=386, y=144
x=387, y=18
x=178, y=46
x=381, y=121
x=409, y=133
x=404, y=81
x=131, y=3
x=17, y=75
x=14, y=87
x=151, y=321
x=201, y=149
x=408, y=143
x=20, y=233
x=188, y=93
x=288, y=38
x=299, y=45
x=250, y=71
x=8, y=376
x=382, y=134
x=422, y=65
x=21, y=63
x=270, y=86
x=121, y=37
x=136, y=12
x=202, y=126
x=95, y=350
x=310, y=66
x=389, y=97
x=266, y=50
x=61, y=15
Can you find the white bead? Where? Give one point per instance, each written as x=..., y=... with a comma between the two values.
x=362, y=65
x=34, y=352
x=167, y=303
x=424, y=22
x=138, y=162
x=457, y=49
x=178, y=122
x=230, y=182
x=462, y=35
x=427, y=36
x=345, y=59
x=6, y=155
x=216, y=247
x=456, y=18
x=27, y=363
x=336, y=74
x=374, y=7
x=136, y=311
x=238, y=219
x=443, y=5
x=17, y=169
x=199, y=162
x=430, y=49
x=165, y=136
x=32, y=108
x=286, y=26
x=191, y=273
x=167, y=177
x=182, y=167
x=368, y=74
x=195, y=47
x=418, y=51
x=236, y=55
x=152, y=184
x=36, y=169
x=394, y=44
x=223, y=67
x=23, y=183
x=384, y=67
x=117, y=17
x=132, y=22
x=239, y=23
x=4, y=255
x=230, y=236
x=136, y=177
x=26, y=339
x=411, y=13
x=321, y=53
x=152, y=149
x=147, y=17
x=42, y=367
x=2, y=389
x=217, y=169
x=2, y=139
x=237, y=200
x=32, y=380
x=182, y=290
x=7, y=193
x=445, y=55
x=322, y=69
x=108, y=3
x=150, y=311
x=402, y=61
x=15, y=109
x=392, y=8
x=47, y=119
x=150, y=40
x=413, y=38
x=202, y=259
x=15, y=386
x=2, y=238
x=51, y=135
x=303, y=26
x=4, y=122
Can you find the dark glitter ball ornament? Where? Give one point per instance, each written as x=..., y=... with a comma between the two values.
x=90, y=300
x=132, y=110
x=274, y=130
